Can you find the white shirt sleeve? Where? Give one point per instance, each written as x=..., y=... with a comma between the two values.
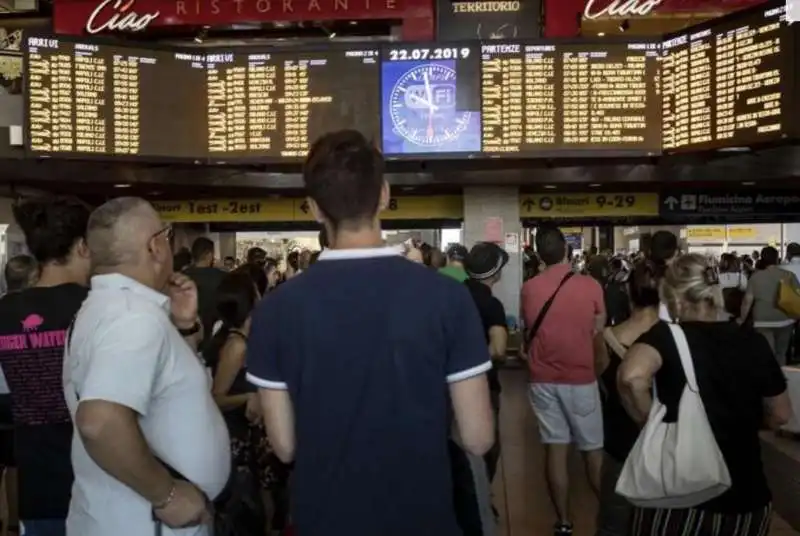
x=123, y=361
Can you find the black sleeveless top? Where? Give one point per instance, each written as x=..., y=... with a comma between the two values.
x=235, y=418
x=620, y=431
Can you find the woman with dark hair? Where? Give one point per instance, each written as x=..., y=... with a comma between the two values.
x=760, y=304
x=225, y=355
x=620, y=431
x=55, y=235
x=292, y=264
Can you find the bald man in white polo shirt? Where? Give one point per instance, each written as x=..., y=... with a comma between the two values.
x=137, y=393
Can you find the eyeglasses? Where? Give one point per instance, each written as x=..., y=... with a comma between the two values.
x=166, y=231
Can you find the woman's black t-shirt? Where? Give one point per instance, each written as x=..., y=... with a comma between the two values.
x=735, y=371
x=235, y=418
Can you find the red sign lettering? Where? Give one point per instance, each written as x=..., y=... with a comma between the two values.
x=621, y=8
x=118, y=16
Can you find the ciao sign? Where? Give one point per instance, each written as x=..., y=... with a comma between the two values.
x=119, y=16
x=620, y=8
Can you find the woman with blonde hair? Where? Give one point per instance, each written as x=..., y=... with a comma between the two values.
x=741, y=386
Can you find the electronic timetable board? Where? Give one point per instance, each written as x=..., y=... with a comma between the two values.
x=727, y=83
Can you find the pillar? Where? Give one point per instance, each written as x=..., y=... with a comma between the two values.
x=492, y=213
x=226, y=245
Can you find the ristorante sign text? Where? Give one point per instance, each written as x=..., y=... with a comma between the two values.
x=104, y=16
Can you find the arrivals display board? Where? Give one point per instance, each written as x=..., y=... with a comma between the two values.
x=272, y=104
x=90, y=99
x=727, y=83
x=730, y=82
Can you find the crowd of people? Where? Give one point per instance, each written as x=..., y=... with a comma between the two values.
x=359, y=393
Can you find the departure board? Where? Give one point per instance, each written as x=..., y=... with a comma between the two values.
x=86, y=99
x=728, y=83
x=539, y=98
x=272, y=105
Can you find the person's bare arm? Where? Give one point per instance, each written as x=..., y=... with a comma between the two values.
x=112, y=437
x=122, y=365
x=278, y=412
x=498, y=341
x=231, y=361
x=601, y=358
x=635, y=379
x=473, y=413
x=777, y=410
x=265, y=369
x=600, y=316
x=747, y=304
x=466, y=365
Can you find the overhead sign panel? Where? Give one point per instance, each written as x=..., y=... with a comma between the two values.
x=699, y=204
x=438, y=207
x=618, y=205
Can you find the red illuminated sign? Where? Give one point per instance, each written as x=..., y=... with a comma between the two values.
x=620, y=8
x=103, y=16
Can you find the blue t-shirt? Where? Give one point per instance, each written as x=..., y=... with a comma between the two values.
x=366, y=342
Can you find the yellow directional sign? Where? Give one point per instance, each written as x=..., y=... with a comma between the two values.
x=437, y=207
x=594, y=205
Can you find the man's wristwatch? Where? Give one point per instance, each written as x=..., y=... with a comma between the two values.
x=188, y=332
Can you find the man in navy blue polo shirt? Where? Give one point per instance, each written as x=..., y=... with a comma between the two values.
x=359, y=362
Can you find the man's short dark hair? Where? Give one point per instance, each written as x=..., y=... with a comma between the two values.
x=663, y=246
x=201, y=247
x=256, y=255
x=343, y=174
x=51, y=227
x=551, y=245
x=792, y=250
x=19, y=272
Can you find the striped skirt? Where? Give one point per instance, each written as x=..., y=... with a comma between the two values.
x=692, y=522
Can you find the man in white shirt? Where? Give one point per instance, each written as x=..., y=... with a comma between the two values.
x=136, y=391
x=793, y=259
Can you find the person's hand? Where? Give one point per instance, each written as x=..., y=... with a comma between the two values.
x=253, y=408
x=183, y=297
x=188, y=507
x=522, y=353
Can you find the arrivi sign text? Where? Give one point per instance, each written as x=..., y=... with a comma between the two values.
x=620, y=8
x=118, y=16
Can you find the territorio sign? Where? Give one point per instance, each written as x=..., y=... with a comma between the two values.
x=103, y=16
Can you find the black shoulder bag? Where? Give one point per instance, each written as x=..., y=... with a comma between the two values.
x=531, y=333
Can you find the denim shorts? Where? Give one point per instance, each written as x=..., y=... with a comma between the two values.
x=568, y=414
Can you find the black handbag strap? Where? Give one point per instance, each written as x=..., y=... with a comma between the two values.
x=531, y=333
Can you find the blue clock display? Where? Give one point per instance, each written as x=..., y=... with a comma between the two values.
x=421, y=112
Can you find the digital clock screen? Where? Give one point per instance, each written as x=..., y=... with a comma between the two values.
x=430, y=97
x=728, y=83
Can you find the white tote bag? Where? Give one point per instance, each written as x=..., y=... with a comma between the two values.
x=675, y=465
